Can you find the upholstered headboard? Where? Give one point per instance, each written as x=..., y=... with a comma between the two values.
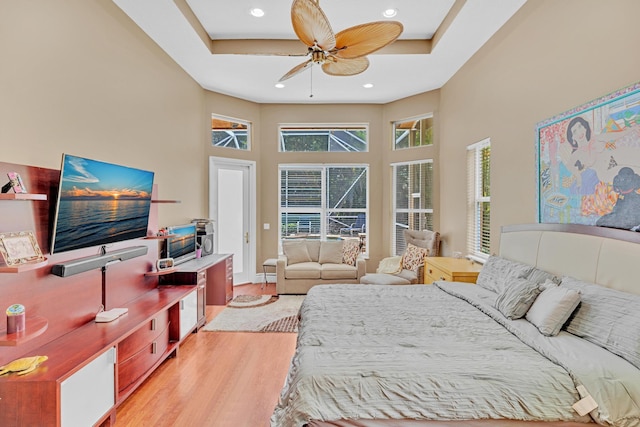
x=606, y=256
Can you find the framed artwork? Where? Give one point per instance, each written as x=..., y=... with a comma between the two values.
x=19, y=248
x=588, y=163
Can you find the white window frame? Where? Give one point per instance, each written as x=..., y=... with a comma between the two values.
x=395, y=209
x=232, y=119
x=324, y=209
x=317, y=127
x=410, y=119
x=476, y=238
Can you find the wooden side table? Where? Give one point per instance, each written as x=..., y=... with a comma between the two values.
x=450, y=269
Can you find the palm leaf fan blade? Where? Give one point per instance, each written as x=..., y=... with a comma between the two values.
x=364, y=39
x=311, y=24
x=296, y=70
x=345, y=67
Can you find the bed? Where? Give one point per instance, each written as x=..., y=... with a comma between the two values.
x=503, y=352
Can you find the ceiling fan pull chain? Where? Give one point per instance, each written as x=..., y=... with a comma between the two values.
x=311, y=81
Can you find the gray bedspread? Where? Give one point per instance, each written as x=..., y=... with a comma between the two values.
x=418, y=352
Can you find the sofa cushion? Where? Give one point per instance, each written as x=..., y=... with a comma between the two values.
x=410, y=275
x=313, y=246
x=302, y=270
x=331, y=252
x=390, y=265
x=424, y=239
x=413, y=257
x=296, y=251
x=383, y=279
x=350, y=251
x=331, y=271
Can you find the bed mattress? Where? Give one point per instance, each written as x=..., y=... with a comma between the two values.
x=383, y=355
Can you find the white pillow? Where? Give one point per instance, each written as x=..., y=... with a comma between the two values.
x=552, y=308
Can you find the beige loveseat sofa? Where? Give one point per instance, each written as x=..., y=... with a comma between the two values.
x=306, y=263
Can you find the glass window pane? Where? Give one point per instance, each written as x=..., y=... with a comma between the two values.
x=413, y=133
x=346, y=223
x=300, y=224
x=323, y=139
x=413, y=199
x=305, y=210
x=346, y=188
x=301, y=187
x=230, y=133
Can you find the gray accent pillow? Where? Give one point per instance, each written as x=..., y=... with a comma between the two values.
x=608, y=318
x=331, y=252
x=552, y=308
x=498, y=272
x=296, y=251
x=516, y=298
x=541, y=276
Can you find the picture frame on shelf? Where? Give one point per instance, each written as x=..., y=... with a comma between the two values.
x=15, y=183
x=19, y=248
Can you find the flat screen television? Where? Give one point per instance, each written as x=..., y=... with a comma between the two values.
x=181, y=244
x=99, y=203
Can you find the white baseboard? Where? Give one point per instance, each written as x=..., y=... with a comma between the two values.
x=259, y=278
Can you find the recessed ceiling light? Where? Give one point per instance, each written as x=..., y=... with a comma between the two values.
x=279, y=85
x=367, y=85
x=390, y=13
x=257, y=12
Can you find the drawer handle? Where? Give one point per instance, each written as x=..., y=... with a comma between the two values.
x=153, y=324
x=430, y=271
x=154, y=347
x=442, y=278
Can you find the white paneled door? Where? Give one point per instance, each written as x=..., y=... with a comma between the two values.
x=232, y=207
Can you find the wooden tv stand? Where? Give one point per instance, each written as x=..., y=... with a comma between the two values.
x=94, y=368
x=213, y=271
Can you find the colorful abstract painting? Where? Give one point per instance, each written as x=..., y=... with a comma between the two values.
x=588, y=163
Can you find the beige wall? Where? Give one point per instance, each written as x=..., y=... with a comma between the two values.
x=550, y=57
x=80, y=77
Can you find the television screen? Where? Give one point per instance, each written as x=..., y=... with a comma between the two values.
x=182, y=243
x=99, y=203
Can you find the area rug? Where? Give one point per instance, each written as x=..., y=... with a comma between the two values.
x=248, y=301
x=280, y=314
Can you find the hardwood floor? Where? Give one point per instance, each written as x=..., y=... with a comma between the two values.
x=218, y=379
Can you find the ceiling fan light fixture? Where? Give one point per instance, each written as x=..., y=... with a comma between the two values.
x=257, y=12
x=390, y=13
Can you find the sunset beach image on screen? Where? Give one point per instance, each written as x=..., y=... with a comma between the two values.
x=99, y=203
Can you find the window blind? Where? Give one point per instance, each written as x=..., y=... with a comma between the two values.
x=412, y=200
x=479, y=200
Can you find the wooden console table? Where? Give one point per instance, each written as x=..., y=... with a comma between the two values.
x=95, y=367
x=212, y=272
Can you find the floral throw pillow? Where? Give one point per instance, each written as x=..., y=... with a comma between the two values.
x=350, y=251
x=413, y=257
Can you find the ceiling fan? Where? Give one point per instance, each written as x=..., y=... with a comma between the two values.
x=341, y=54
